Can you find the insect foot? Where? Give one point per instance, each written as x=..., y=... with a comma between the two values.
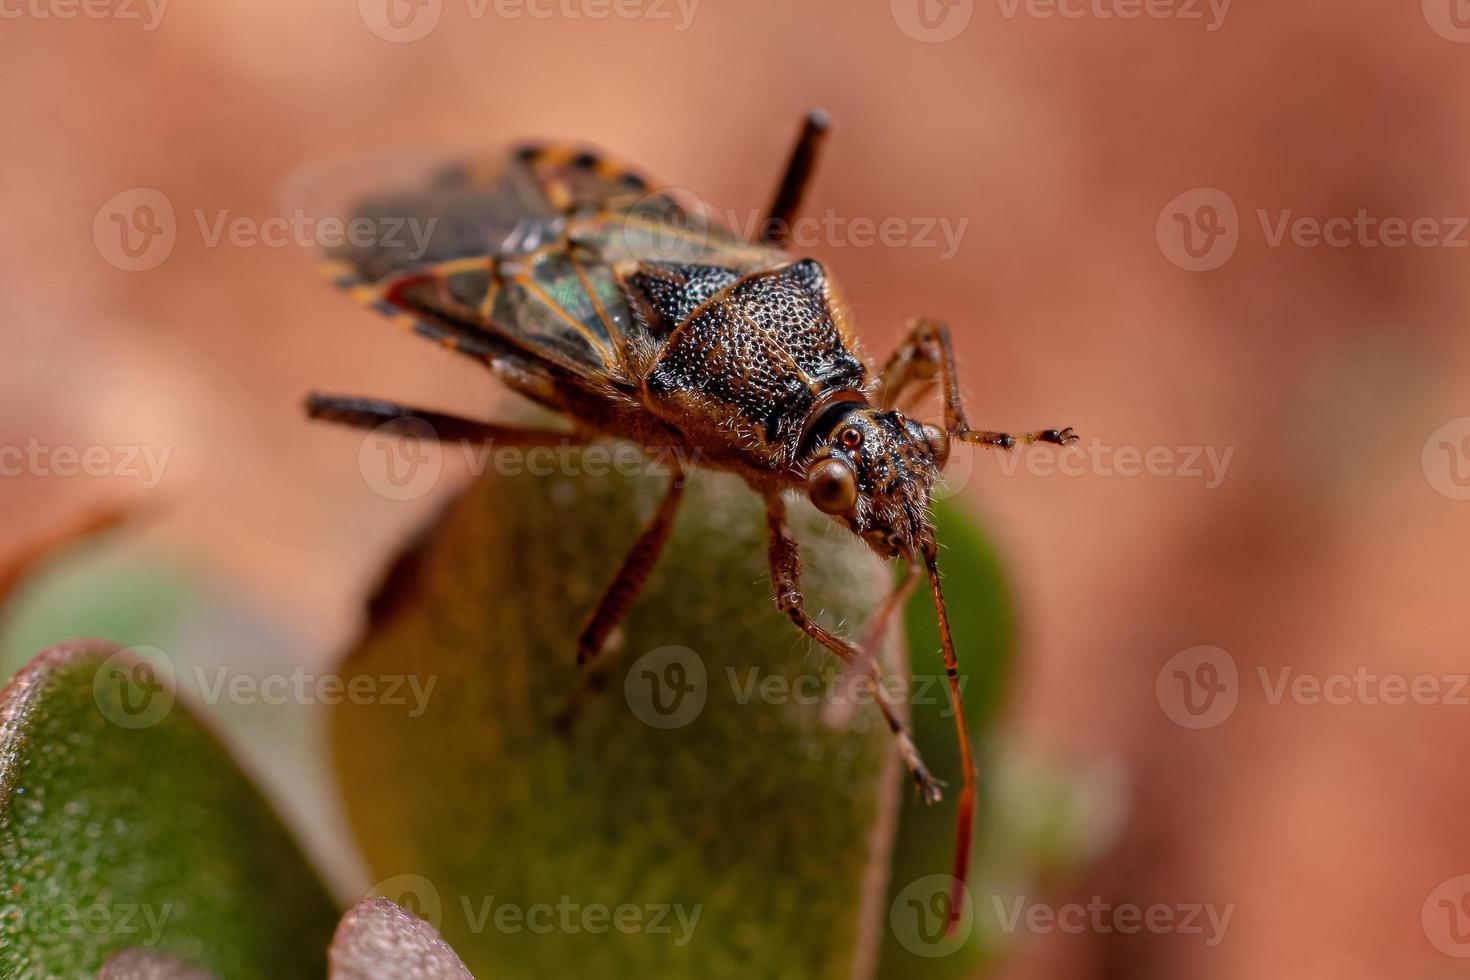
x=1006, y=441
x=930, y=789
x=1057, y=437
x=593, y=683
x=587, y=648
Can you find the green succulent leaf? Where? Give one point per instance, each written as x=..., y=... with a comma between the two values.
x=124, y=823
x=91, y=593
x=717, y=810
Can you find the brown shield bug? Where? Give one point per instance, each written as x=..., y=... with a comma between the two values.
x=594, y=292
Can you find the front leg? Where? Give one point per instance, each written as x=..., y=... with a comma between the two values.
x=785, y=560
x=926, y=356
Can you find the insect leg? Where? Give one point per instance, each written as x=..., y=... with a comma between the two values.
x=632, y=573
x=777, y=227
x=619, y=596
x=370, y=413
x=965, y=821
x=785, y=560
x=894, y=601
x=928, y=355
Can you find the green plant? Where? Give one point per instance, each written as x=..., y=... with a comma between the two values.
x=769, y=829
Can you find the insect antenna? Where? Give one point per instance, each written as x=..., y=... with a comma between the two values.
x=965, y=821
x=777, y=227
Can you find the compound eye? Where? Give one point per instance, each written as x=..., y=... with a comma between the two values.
x=832, y=487
x=938, y=441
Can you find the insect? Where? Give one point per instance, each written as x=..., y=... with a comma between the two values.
x=593, y=291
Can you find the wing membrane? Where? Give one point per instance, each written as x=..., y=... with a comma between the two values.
x=516, y=252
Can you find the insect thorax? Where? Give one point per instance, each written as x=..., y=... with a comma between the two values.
x=744, y=360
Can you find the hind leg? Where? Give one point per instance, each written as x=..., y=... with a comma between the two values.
x=371, y=413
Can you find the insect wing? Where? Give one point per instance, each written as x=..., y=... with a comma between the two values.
x=513, y=252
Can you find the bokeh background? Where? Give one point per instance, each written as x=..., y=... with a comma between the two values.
x=1078, y=151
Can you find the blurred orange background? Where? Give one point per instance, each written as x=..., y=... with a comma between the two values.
x=1334, y=374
